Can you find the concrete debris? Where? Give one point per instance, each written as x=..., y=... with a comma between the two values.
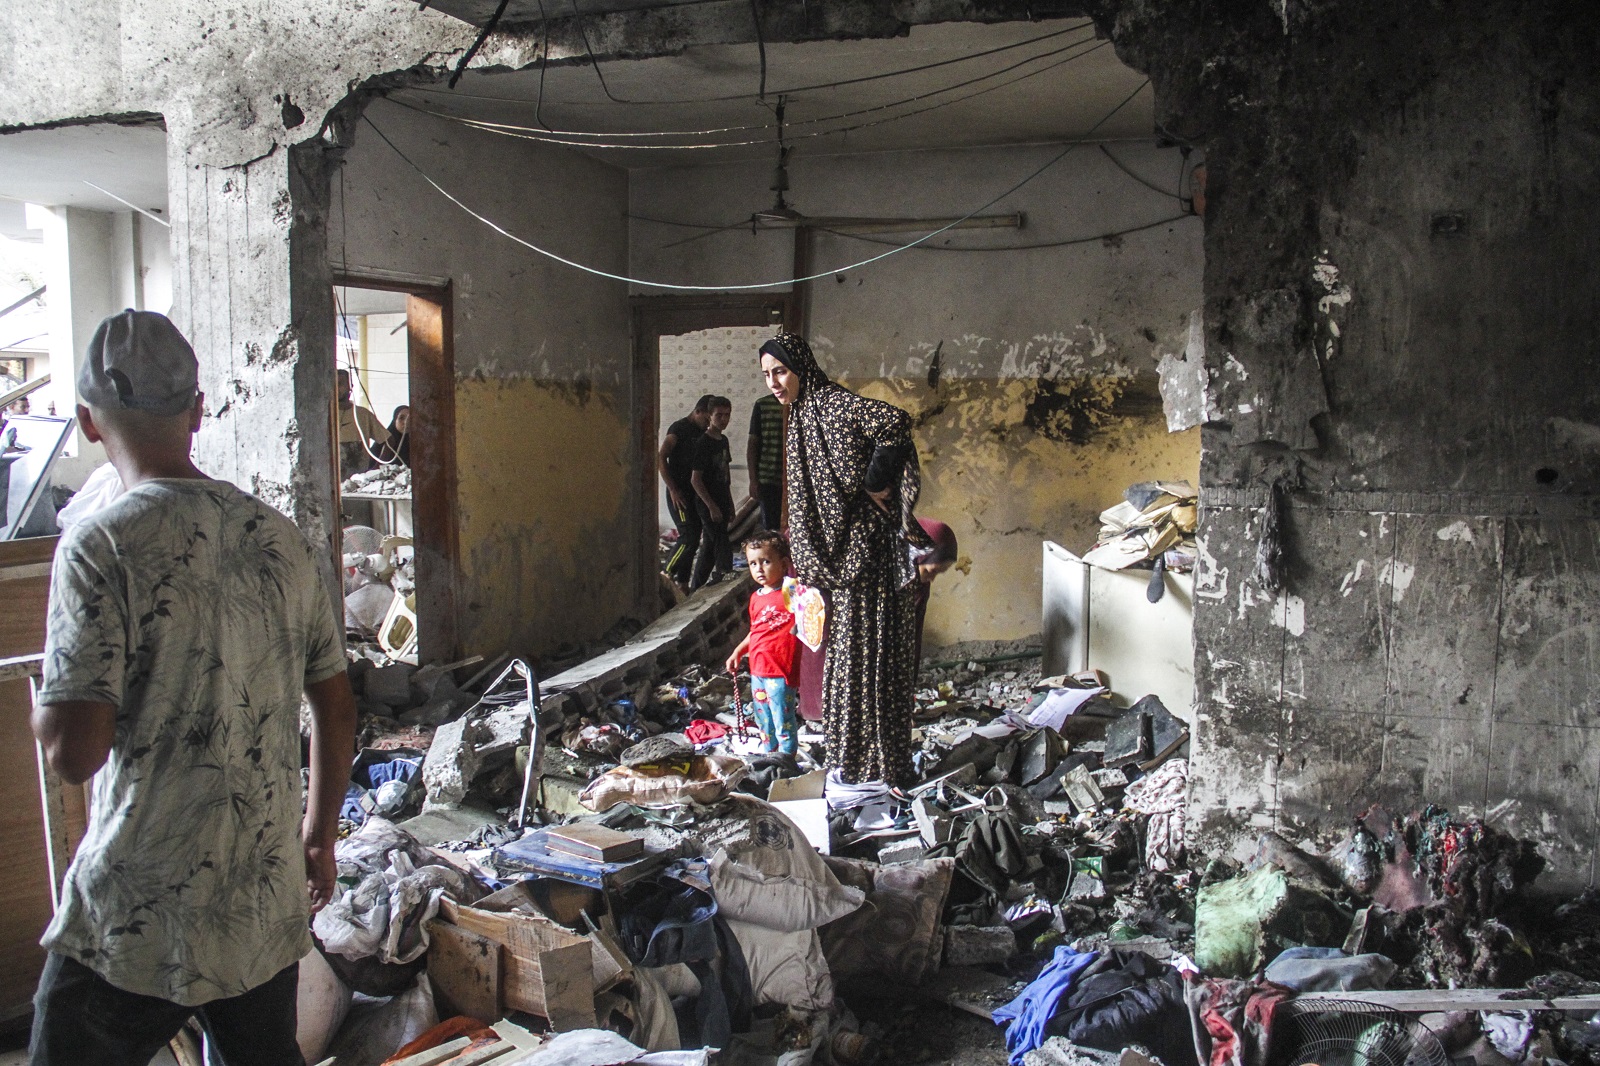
x=387, y=480
x=1049, y=817
x=973, y=945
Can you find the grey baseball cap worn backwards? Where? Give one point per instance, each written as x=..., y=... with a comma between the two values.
x=139, y=360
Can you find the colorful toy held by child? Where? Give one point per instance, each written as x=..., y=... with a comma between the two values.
x=771, y=645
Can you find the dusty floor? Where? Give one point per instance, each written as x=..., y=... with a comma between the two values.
x=917, y=1031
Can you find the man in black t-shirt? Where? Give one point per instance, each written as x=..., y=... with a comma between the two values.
x=712, y=478
x=673, y=461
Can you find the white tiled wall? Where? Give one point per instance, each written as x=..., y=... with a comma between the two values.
x=721, y=361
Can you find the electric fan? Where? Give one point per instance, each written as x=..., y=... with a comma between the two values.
x=1341, y=1032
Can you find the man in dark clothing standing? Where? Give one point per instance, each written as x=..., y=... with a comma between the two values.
x=712, y=481
x=763, y=454
x=674, y=460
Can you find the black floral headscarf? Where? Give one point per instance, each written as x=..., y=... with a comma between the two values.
x=835, y=529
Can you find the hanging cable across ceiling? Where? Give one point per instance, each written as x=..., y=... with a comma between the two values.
x=647, y=283
x=761, y=127
x=1034, y=246
x=754, y=96
x=524, y=133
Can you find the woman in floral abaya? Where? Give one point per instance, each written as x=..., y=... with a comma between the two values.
x=852, y=480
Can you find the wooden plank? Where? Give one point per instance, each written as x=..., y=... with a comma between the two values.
x=435, y=1055
x=25, y=879
x=564, y=979
x=464, y=969
x=538, y=959
x=431, y=342
x=1544, y=771
x=1430, y=1000
x=17, y=667
x=25, y=590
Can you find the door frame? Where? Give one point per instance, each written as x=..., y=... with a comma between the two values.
x=655, y=317
x=431, y=367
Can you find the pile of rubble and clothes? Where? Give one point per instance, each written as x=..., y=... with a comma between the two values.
x=701, y=894
x=529, y=878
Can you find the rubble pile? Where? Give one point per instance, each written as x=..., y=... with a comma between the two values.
x=602, y=859
x=387, y=479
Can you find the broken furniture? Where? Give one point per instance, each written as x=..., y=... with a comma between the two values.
x=1102, y=619
x=502, y=954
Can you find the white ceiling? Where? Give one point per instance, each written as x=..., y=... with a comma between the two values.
x=1061, y=83
x=51, y=166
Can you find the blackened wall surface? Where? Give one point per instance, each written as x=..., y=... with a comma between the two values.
x=1401, y=335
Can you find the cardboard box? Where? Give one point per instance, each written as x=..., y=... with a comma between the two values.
x=544, y=969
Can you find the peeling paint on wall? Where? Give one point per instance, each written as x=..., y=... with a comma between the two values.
x=1397, y=575
x=1004, y=479
x=1289, y=611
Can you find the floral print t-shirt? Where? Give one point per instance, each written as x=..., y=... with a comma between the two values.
x=200, y=613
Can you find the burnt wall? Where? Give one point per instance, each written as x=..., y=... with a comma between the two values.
x=1400, y=336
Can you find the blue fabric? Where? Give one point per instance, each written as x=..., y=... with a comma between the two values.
x=366, y=777
x=773, y=702
x=352, y=810
x=1027, y=1016
x=381, y=773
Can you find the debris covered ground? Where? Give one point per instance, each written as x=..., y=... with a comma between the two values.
x=610, y=858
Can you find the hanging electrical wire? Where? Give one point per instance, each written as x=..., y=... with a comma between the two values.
x=524, y=134
x=796, y=89
x=1013, y=247
x=442, y=191
x=761, y=47
x=544, y=61
x=1152, y=186
x=578, y=18
x=477, y=43
x=762, y=127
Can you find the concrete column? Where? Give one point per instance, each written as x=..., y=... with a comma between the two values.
x=127, y=260
x=253, y=292
x=80, y=275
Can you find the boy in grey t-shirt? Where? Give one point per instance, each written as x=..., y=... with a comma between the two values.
x=186, y=619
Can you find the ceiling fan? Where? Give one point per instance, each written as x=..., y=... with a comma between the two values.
x=783, y=215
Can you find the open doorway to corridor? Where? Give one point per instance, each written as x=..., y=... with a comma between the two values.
x=393, y=422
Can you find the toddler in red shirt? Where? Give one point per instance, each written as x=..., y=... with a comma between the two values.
x=771, y=645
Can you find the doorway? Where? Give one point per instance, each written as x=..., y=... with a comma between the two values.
x=684, y=347
x=397, y=465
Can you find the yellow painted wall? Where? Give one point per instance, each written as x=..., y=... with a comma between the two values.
x=1004, y=486
x=544, y=495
